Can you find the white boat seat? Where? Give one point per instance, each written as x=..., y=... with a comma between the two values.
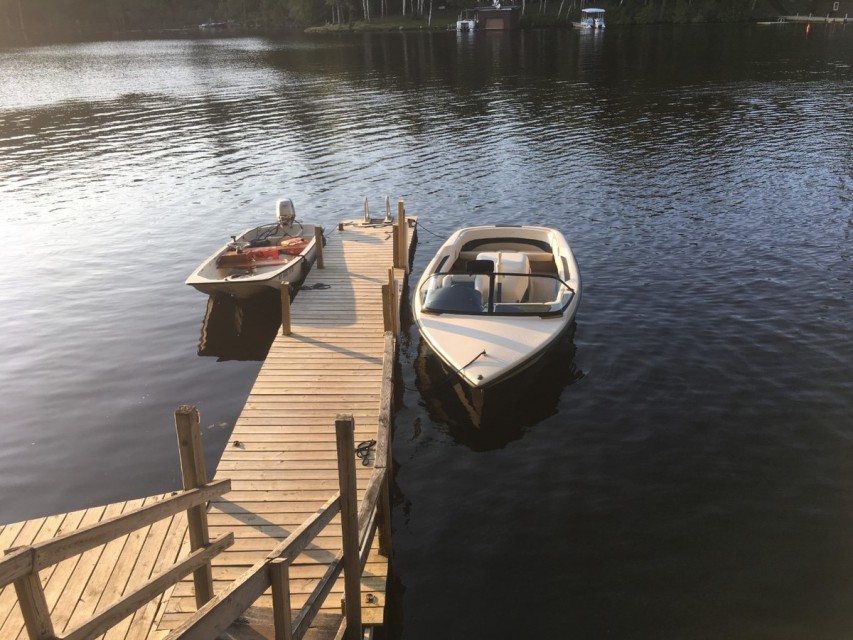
x=456, y=278
x=507, y=288
x=543, y=290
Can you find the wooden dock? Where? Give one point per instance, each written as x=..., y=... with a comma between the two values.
x=829, y=19
x=284, y=471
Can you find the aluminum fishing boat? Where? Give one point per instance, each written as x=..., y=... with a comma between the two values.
x=494, y=298
x=261, y=258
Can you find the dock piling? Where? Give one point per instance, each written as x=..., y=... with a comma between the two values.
x=318, y=243
x=285, y=309
x=402, y=259
x=345, y=440
x=34, y=607
x=395, y=246
x=393, y=322
x=383, y=447
x=280, y=581
x=194, y=476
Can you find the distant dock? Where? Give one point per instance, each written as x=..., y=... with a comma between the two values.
x=291, y=538
x=813, y=19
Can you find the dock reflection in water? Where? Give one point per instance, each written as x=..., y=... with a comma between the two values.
x=486, y=419
x=239, y=329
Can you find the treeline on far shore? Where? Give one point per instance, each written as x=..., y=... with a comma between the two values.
x=36, y=20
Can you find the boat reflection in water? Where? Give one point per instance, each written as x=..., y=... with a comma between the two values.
x=490, y=418
x=240, y=328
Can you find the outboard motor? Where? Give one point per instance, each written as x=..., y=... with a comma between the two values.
x=285, y=212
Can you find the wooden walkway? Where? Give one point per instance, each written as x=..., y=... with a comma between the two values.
x=78, y=587
x=281, y=461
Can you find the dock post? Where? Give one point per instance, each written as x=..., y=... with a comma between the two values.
x=33, y=605
x=281, y=613
x=383, y=446
x=384, y=514
x=403, y=246
x=285, y=309
x=386, y=308
x=318, y=243
x=395, y=246
x=393, y=303
x=345, y=439
x=194, y=475
x=390, y=305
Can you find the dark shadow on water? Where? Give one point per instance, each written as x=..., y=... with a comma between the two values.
x=243, y=328
x=490, y=419
x=239, y=329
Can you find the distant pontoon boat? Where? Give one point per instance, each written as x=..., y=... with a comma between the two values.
x=591, y=18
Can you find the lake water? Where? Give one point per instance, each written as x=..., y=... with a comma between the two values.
x=680, y=467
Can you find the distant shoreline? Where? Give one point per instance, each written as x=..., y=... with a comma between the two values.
x=440, y=22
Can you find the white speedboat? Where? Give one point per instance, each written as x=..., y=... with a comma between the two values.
x=591, y=18
x=261, y=258
x=494, y=298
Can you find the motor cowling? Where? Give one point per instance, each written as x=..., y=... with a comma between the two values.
x=285, y=212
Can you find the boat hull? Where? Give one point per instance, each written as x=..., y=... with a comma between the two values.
x=489, y=418
x=496, y=350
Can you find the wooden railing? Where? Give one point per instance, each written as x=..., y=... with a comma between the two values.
x=358, y=530
x=21, y=565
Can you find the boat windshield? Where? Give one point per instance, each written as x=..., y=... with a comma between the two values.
x=502, y=294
